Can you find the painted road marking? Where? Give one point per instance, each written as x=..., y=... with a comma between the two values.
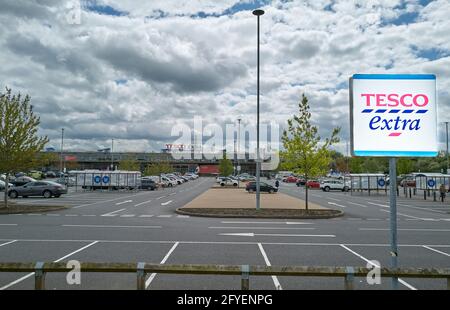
x=9, y=242
x=266, y=259
x=123, y=202
x=110, y=226
x=71, y=215
x=100, y=201
x=275, y=235
x=333, y=199
x=153, y=275
x=166, y=203
x=161, y=197
x=146, y=215
x=437, y=251
x=141, y=203
x=165, y=215
x=335, y=204
x=287, y=223
x=357, y=204
x=276, y=228
x=89, y=215
x=56, y=261
x=172, y=194
x=112, y=213
x=376, y=265
x=127, y=215
x=52, y=214
x=377, y=204
x=410, y=216
x=408, y=229
x=8, y=224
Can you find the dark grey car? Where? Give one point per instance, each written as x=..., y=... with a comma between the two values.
x=46, y=189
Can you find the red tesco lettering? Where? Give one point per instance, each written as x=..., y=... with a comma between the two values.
x=394, y=100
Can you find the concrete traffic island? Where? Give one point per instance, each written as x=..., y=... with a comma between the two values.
x=227, y=203
x=15, y=208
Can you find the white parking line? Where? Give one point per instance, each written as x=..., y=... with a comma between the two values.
x=8, y=224
x=266, y=259
x=357, y=204
x=146, y=215
x=375, y=265
x=110, y=226
x=183, y=216
x=141, y=203
x=53, y=214
x=437, y=251
x=103, y=201
x=123, y=202
x=166, y=203
x=161, y=197
x=377, y=204
x=410, y=216
x=71, y=215
x=112, y=213
x=406, y=229
x=286, y=223
x=89, y=215
x=9, y=242
x=153, y=275
x=333, y=199
x=165, y=215
x=128, y=215
x=335, y=204
x=276, y=228
x=56, y=261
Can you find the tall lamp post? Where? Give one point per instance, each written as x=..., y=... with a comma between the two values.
x=257, y=13
x=61, y=165
x=112, y=154
x=446, y=149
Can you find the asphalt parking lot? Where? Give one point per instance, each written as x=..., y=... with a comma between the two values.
x=142, y=226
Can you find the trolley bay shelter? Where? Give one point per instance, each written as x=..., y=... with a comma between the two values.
x=368, y=182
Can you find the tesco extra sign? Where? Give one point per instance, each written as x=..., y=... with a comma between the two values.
x=393, y=115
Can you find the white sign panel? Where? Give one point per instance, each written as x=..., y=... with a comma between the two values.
x=393, y=115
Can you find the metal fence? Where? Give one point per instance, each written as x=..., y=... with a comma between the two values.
x=348, y=274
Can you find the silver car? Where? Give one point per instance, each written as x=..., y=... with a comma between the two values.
x=46, y=189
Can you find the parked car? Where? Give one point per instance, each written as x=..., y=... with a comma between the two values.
x=148, y=184
x=229, y=181
x=408, y=182
x=263, y=187
x=220, y=179
x=328, y=185
x=37, y=175
x=290, y=179
x=3, y=185
x=170, y=182
x=313, y=184
x=50, y=174
x=19, y=181
x=300, y=182
x=38, y=188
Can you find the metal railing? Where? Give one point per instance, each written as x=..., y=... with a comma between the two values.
x=141, y=269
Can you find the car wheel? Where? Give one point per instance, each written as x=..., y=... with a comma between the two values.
x=170, y=185
x=234, y=184
x=250, y=190
x=270, y=191
x=345, y=189
x=47, y=194
x=13, y=194
x=222, y=184
x=327, y=188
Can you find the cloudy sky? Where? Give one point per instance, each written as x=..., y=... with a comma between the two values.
x=130, y=70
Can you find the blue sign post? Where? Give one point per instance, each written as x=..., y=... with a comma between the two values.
x=431, y=183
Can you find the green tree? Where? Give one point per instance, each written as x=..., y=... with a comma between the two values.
x=129, y=164
x=405, y=165
x=225, y=166
x=19, y=140
x=157, y=168
x=304, y=152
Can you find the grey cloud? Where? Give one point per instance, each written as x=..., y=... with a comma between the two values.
x=178, y=72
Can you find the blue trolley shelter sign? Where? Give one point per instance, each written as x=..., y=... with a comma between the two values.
x=393, y=115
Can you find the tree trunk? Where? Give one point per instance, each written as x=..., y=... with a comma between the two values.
x=306, y=193
x=6, y=190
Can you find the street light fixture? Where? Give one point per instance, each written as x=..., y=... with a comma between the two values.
x=257, y=13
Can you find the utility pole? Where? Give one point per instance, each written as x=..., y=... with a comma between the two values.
x=61, y=166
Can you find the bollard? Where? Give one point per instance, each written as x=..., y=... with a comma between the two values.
x=245, y=280
x=349, y=278
x=410, y=193
x=140, y=276
x=39, y=276
x=425, y=195
x=434, y=195
x=398, y=192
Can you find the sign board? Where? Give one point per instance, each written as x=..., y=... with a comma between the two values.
x=431, y=183
x=381, y=182
x=393, y=115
